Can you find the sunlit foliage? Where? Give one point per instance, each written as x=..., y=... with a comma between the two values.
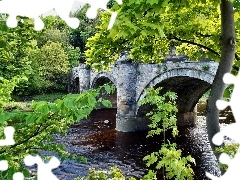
x=149, y=28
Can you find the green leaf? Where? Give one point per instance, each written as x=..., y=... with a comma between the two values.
x=31, y=118
x=91, y=100
x=152, y=2
x=107, y=103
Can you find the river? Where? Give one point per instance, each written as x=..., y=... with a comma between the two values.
x=98, y=141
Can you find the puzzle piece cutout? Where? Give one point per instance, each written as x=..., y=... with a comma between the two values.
x=232, y=131
x=8, y=132
x=235, y=96
x=44, y=169
x=95, y=5
x=3, y=165
x=35, y=8
x=18, y=176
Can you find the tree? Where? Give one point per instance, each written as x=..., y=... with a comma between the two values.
x=54, y=35
x=191, y=29
x=228, y=44
x=78, y=37
x=162, y=119
x=147, y=28
x=61, y=36
x=16, y=47
x=51, y=68
x=20, y=51
x=35, y=124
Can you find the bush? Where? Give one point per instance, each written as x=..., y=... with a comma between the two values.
x=51, y=69
x=113, y=174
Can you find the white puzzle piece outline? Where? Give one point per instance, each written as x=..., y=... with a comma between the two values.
x=44, y=169
x=35, y=8
x=8, y=133
x=8, y=141
x=232, y=131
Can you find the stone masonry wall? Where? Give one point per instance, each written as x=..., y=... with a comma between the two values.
x=131, y=79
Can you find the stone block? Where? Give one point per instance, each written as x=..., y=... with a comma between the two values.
x=127, y=124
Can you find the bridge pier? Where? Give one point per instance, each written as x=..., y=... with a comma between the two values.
x=126, y=120
x=130, y=124
x=84, y=78
x=187, y=118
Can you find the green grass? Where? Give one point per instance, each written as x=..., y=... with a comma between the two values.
x=26, y=105
x=48, y=97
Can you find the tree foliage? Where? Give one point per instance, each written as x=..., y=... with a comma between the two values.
x=7, y=87
x=148, y=29
x=25, y=52
x=230, y=149
x=145, y=28
x=35, y=126
x=113, y=173
x=87, y=28
x=16, y=48
x=52, y=67
x=54, y=35
x=163, y=118
x=62, y=37
x=22, y=58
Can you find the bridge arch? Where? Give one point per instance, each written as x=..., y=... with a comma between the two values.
x=75, y=86
x=102, y=78
x=189, y=84
x=186, y=72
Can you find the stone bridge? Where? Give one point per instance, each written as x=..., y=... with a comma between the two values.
x=189, y=79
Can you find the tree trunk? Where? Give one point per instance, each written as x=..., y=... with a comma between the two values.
x=226, y=61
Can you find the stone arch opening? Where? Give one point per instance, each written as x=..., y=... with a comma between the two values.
x=185, y=72
x=188, y=89
x=102, y=78
x=75, y=86
x=111, y=97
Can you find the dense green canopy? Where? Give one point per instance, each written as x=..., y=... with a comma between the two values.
x=148, y=28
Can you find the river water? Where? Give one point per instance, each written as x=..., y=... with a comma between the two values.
x=104, y=147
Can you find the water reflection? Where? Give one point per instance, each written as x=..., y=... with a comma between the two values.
x=97, y=139
x=225, y=116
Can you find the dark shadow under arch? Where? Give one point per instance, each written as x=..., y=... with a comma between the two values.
x=75, y=86
x=103, y=77
x=188, y=89
x=111, y=97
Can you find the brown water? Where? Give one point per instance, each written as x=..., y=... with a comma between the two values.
x=104, y=147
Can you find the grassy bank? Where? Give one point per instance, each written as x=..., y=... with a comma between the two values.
x=24, y=103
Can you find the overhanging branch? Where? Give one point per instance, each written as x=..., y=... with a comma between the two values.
x=194, y=43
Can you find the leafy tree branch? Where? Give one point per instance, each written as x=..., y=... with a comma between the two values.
x=193, y=43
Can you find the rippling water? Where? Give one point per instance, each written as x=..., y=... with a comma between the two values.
x=103, y=146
